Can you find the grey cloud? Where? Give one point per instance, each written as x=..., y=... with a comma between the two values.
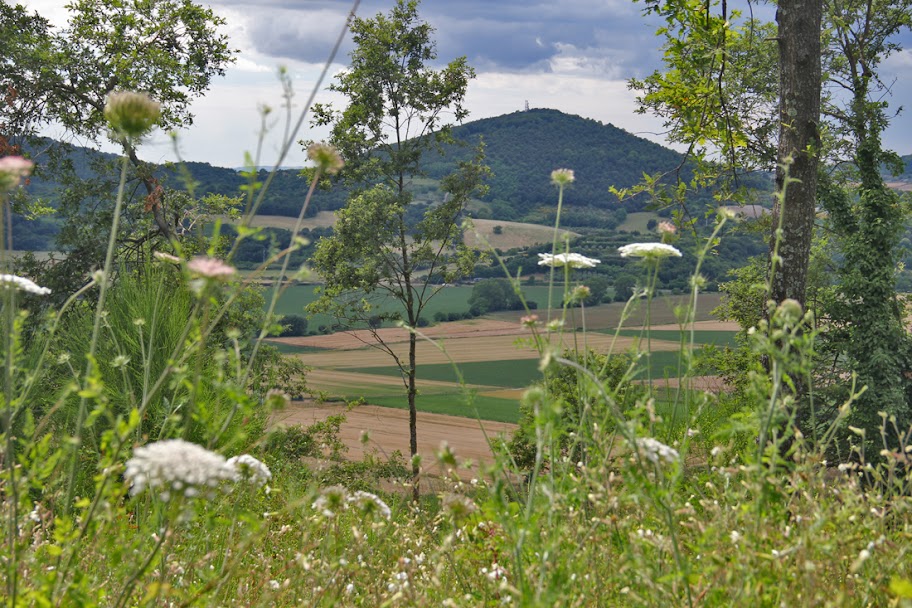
x=508, y=35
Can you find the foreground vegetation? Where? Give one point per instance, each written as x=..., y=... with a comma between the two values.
x=139, y=466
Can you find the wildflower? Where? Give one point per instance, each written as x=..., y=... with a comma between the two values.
x=250, y=469
x=369, y=504
x=666, y=228
x=277, y=400
x=326, y=157
x=573, y=260
x=655, y=451
x=580, y=293
x=789, y=312
x=12, y=170
x=735, y=537
x=648, y=250
x=330, y=501
x=131, y=114
x=562, y=177
x=211, y=268
x=167, y=257
x=457, y=506
x=529, y=320
x=22, y=284
x=176, y=465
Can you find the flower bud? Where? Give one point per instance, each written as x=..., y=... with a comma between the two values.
x=131, y=114
x=562, y=177
x=326, y=157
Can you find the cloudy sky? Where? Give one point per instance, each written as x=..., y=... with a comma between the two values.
x=572, y=55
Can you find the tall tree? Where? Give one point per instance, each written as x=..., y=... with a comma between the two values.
x=800, y=55
x=718, y=95
x=383, y=249
x=170, y=49
x=868, y=318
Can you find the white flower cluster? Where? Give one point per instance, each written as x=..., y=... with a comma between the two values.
x=175, y=465
x=573, y=260
x=336, y=498
x=250, y=469
x=23, y=284
x=655, y=451
x=648, y=250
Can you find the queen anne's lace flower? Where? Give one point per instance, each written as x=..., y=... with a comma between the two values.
x=562, y=177
x=648, y=250
x=23, y=284
x=655, y=451
x=250, y=469
x=573, y=260
x=175, y=465
x=335, y=499
x=211, y=268
x=369, y=504
x=330, y=501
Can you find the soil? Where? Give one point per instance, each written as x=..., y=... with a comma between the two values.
x=388, y=429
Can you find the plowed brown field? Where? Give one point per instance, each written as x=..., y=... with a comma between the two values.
x=388, y=429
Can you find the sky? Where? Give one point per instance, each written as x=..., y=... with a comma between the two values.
x=575, y=56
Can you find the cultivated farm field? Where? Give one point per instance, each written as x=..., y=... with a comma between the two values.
x=491, y=357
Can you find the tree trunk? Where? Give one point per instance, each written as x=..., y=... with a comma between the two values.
x=799, y=114
x=413, y=413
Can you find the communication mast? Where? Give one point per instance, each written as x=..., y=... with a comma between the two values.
x=527, y=106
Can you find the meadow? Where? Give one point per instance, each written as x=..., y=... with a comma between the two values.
x=153, y=456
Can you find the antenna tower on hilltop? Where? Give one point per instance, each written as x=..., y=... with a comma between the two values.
x=527, y=106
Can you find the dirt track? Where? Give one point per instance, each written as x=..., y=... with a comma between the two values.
x=388, y=430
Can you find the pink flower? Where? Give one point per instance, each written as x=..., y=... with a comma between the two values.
x=211, y=268
x=12, y=170
x=529, y=320
x=667, y=228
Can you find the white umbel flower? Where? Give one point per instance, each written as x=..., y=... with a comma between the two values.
x=369, y=504
x=649, y=250
x=250, y=469
x=573, y=260
x=23, y=284
x=175, y=465
x=655, y=451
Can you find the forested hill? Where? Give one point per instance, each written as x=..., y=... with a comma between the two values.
x=522, y=150
x=524, y=147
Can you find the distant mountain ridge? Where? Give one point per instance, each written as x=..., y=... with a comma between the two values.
x=522, y=150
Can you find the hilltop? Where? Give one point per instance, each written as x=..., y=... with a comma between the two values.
x=524, y=147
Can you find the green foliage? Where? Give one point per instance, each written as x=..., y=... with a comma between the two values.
x=293, y=325
x=491, y=295
x=171, y=50
x=573, y=398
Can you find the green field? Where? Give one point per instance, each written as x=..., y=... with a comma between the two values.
x=448, y=299
x=510, y=373
x=637, y=221
x=701, y=336
x=517, y=373
x=454, y=404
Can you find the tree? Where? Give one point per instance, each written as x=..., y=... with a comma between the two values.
x=397, y=109
x=799, y=147
x=850, y=38
x=170, y=49
x=868, y=218
x=623, y=287
x=491, y=295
